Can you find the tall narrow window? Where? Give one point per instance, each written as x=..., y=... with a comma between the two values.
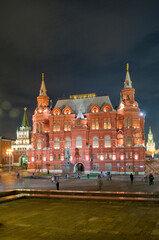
x=65, y=126
x=79, y=142
x=95, y=142
x=109, y=124
x=58, y=126
x=105, y=124
x=54, y=127
x=107, y=142
x=69, y=126
x=67, y=143
x=126, y=123
x=130, y=123
x=39, y=144
x=37, y=127
x=93, y=124
x=105, y=155
x=97, y=124
x=56, y=143
x=128, y=141
x=41, y=126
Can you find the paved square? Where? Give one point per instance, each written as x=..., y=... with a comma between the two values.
x=67, y=219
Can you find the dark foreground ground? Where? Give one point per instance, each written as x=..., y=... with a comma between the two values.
x=41, y=219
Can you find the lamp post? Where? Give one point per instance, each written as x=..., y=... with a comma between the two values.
x=9, y=153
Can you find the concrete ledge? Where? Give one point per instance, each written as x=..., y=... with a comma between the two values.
x=80, y=195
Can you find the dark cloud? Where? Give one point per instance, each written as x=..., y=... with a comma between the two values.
x=82, y=46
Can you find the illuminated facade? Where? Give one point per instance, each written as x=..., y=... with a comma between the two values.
x=5, y=144
x=150, y=146
x=23, y=142
x=99, y=137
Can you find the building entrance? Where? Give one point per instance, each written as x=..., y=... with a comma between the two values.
x=79, y=167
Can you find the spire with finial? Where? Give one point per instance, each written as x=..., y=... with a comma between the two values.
x=43, y=91
x=128, y=82
x=25, y=122
x=150, y=132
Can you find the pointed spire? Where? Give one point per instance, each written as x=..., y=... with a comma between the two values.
x=150, y=132
x=128, y=82
x=25, y=122
x=43, y=91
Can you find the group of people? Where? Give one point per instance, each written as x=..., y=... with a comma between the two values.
x=149, y=178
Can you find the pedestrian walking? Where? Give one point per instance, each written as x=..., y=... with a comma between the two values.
x=18, y=175
x=52, y=178
x=151, y=179
x=57, y=185
x=131, y=178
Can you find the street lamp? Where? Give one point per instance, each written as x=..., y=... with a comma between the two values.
x=9, y=153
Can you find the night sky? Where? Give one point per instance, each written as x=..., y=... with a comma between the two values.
x=82, y=46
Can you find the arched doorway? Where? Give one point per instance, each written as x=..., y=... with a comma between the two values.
x=79, y=167
x=23, y=160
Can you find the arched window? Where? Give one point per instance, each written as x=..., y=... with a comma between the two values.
x=39, y=144
x=128, y=141
x=95, y=142
x=67, y=143
x=56, y=143
x=79, y=142
x=107, y=142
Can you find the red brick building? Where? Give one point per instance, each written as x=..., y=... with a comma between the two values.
x=99, y=137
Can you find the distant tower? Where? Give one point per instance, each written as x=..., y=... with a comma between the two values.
x=23, y=142
x=150, y=144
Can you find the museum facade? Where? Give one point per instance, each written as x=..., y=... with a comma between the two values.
x=98, y=136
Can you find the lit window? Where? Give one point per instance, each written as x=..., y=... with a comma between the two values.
x=93, y=124
x=108, y=167
x=67, y=143
x=56, y=143
x=65, y=126
x=95, y=142
x=95, y=167
x=105, y=124
x=69, y=126
x=128, y=141
x=39, y=144
x=54, y=127
x=97, y=124
x=107, y=142
x=79, y=142
x=58, y=126
x=109, y=124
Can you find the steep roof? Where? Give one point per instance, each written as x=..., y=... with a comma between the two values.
x=84, y=103
x=25, y=122
x=128, y=82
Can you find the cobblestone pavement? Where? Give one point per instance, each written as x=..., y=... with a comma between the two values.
x=118, y=183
